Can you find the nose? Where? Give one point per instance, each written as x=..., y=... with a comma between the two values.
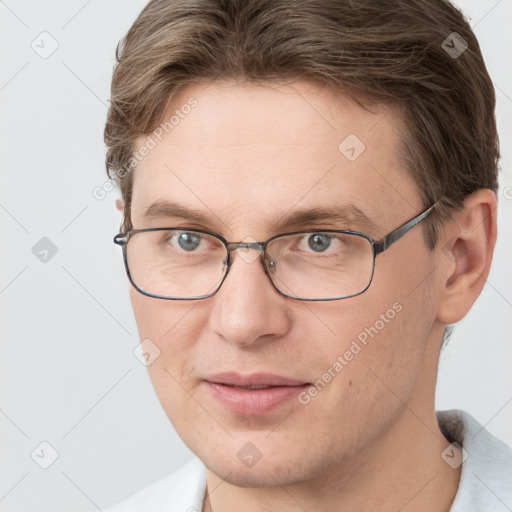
x=247, y=309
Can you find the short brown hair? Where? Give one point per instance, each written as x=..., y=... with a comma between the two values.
x=409, y=53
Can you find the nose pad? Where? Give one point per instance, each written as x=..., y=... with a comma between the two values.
x=249, y=251
x=242, y=253
x=270, y=265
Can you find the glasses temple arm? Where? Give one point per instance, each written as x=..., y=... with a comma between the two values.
x=382, y=244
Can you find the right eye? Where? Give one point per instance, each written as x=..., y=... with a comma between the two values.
x=189, y=241
x=185, y=241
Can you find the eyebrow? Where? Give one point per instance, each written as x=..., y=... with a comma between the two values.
x=162, y=208
x=346, y=216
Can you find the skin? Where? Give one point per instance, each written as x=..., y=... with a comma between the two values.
x=369, y=440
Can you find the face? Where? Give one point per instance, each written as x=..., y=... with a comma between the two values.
x=245, y=156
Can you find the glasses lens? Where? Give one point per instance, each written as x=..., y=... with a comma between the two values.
x=321, y=265
x=175, y=263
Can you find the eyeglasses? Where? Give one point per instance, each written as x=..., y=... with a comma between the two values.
x=313, y=265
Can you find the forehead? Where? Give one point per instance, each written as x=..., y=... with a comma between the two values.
x=245, y=154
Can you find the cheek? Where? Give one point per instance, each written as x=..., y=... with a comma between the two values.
x=405, y=293
x=382, y=334
x=166, y=322
x=362, y=393
x=174, y=327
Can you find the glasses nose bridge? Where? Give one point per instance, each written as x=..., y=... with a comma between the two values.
x=260, y=246
x=232, y=246
x=268, y=266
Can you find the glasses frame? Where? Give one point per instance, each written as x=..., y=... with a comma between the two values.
x=378, y=247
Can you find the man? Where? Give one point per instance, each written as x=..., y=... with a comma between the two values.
x=309, y=201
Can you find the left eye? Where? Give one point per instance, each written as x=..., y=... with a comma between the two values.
x=317, y=242
x=189, y=241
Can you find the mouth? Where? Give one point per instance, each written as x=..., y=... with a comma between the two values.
x=254, y=394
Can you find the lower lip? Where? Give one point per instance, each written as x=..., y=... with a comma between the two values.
x=254, y=402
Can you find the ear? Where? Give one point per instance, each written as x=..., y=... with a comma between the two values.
x=120, y=205
x=466, y=247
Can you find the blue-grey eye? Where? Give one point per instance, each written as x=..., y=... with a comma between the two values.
x=189, y=241
x=319, y=242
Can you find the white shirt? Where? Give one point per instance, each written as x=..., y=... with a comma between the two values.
x=485, y=484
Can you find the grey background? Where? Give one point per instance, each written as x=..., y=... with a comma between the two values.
x=68, y=375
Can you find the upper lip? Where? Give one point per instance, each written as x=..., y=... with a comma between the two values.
x=254, y=379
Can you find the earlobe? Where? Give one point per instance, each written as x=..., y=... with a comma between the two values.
x=120, y=205
x=465, y=250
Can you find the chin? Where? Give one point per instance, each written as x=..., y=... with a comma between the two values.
x=263, y=476
x=278, y=469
